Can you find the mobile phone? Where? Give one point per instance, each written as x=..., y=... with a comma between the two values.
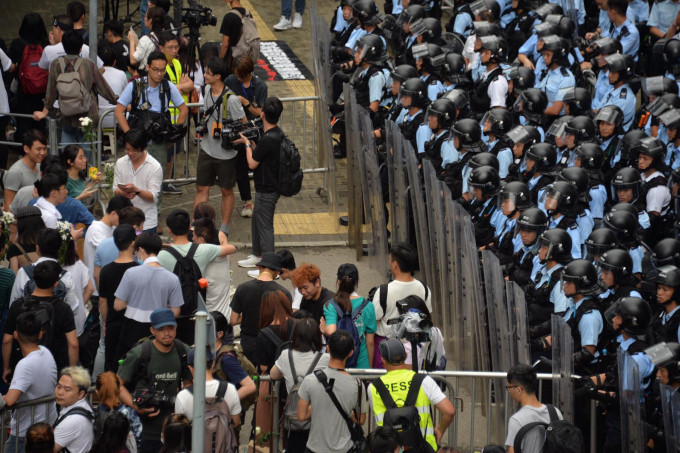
x=122, y=186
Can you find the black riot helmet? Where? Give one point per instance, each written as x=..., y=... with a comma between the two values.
x=403, y=72
x=666, y=251
x=619, y=262
x=545, y=157
x=367, y=12
x=671, y=53
x=459, y=97
x=564, y=196
x=479, y=6
x=484, y=159
x=546, y=28
x=500, y=122
x=533, y=219
x=622, y=64
x=659, y=85
x=532, y=102
x=485, y=178
x=670, y=100
x=606, y=46
x=626, y=207
x=497, y=46
x=411, y=14
x=521, y=77
x=635, y=314
x=445, y=111
x=546, y=9
x=654, y=148
x=428, y=27
x=628, y=178
x=560, y=48
x=558, y=242
x=627, y=142
x=524, y=134
x=578, y=101
x=518, y=194
x=578, y=177
x=557, y=128
x=417, y=90
x=599, y=241
x=583, y=274
x=567, y=26
x=591, y=156
x=624, y=225
x=483, y=28
x=468, y=133
x=668, y=276
x=666, y=355
x=582, y=128
x=370, y=48
x=431, y=55
x=453, y=69
x=670, y=118
x=611, y=114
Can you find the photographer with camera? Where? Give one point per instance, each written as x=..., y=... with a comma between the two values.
x=217, y=158
x=155, y=370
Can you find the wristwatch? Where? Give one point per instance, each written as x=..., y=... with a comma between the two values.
x=138, y=192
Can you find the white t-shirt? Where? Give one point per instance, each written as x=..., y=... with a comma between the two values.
x=96, y=233
x=74, y=431
x=659, y=197
x=81, y=277
x=184, y=403
x=219, y=282
x=396, y=291
x=49, y=212
x=5, y=64
x=117, y=80
x=297, y=299
x=51, y=53
x=497, y=91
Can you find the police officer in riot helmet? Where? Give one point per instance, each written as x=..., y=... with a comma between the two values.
x=561, y=205
x=671, y=120
x=543, y=293
x=467, y=139
x=539, y=163
x=483, y=184
x=519, y=79
x=496, y=123
x=428, y=29
x=609, y=120
x=627, y=188
x=666, y=252
x=625, y=157
x=621, y=71
x=531, y=223
x=624, y=224
x=461, y=100
x=590, y=157
x=409, y=16
x=580, y=129
x=520, y=139
x=391, y=108
x=577, y=101
x=556, y=76
x=369, y=57
x=531, y=105
x=666, y=323
x=671, y=53
x=483, y=159
x=461, y=22
x=666, y=358
x=414, y=100
x=580, y=179
x=599, y=241
x=429, y=61
x=492, y=88
x=454, y=72
x=616, y=273
x=440, y=116
x=513, y=199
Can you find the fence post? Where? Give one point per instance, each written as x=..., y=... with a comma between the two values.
x=275, y=386
x=52, y=137
x=200, y=340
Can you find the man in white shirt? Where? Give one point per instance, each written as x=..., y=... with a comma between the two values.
x=62, y=24
x=138, y=177
x=403, y=262
x=522, y=387
x=73, y=429
x=52, y=191
x=184, y=403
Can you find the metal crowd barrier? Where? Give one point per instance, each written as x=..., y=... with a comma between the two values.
x=52, y=133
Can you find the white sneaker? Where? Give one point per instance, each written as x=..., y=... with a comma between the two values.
x=254, y=273
x=247, y=210
x=297, y=20
x=251, y=261
x=284, y=24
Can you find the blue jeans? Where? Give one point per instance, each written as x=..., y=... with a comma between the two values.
x=71, y=135
x=287, y=7
x=12, y=446
x=142, y=12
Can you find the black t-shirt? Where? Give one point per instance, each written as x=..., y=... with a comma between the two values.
x=265, y=350
x=232, y=26
x=122, y=51
x=63, y=324
x=247, y=300
x=109, y=279
x=13, y=250
x=315, y=307
x=256, y=93
x=266, y=175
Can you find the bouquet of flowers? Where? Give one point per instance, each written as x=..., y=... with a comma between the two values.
x=90, y=134
x=6, y=219
x=64, y=229
x=108, y=173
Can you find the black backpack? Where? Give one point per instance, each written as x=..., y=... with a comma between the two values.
x=59, y=292
x=560, y=435
x=189, y=274
x=405, y=419
x=44, y=311
x=290, y=171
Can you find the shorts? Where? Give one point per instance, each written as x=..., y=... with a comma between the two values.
x=208, y=169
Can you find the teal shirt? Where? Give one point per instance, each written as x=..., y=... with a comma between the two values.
x=75, y=187
x=365, y=324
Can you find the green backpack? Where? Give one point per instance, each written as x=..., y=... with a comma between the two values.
x=236, y=351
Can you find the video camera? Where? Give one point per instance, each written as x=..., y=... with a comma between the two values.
x=153, y=397
x=198, y=17
x=411, y=325
x=252, y=129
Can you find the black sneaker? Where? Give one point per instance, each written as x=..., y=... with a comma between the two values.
x=171, y=190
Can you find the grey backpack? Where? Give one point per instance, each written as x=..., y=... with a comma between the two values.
x=249, y=42
x=74, y=97
x=290, y=418
x=219, y=435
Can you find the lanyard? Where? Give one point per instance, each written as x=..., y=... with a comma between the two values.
x=245, y=92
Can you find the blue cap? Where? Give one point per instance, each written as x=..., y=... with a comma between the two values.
x=162, y=317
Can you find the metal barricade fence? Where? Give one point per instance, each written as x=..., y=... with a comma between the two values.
x=52, y=133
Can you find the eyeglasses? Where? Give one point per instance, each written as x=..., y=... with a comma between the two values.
x=508, y=387
x=157, y=70
x=172, y=47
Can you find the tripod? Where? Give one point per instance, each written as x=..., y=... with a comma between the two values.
x=115, y=8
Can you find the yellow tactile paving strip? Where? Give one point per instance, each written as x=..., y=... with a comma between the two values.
x=309, y=224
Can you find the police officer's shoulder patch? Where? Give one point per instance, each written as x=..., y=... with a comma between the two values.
x=573, y=227
x=564, y=71
x=583, y=214
x=623, y=94
x=624, y=31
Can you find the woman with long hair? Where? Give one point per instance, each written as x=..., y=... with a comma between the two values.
x=31, y=32
x=276, y=317
x=141, y=48
x=73, y=159
x=23, y=251
x=347, y=300
x=114, y=436
x=176, y=435
x=305, y=350
x=108, y=394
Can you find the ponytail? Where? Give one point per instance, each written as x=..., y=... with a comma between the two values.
x=346, y=287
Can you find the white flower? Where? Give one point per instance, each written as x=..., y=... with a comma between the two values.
x=64, y=229
x=85, y=121
x=7, y=218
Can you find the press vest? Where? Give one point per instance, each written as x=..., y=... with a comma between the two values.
x=175, y=74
